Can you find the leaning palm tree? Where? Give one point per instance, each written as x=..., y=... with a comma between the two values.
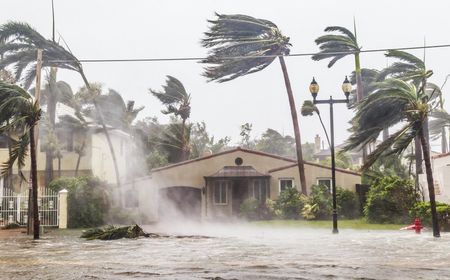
x=308, y=109
x=19, y=113
x=20, y=43
x=242, y=45
x=178, y=103
x=395, y=102
x=338, y=46
x=409, y=68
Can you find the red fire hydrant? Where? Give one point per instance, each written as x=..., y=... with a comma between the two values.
x=417, y=225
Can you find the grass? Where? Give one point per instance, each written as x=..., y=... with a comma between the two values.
x=360, y=224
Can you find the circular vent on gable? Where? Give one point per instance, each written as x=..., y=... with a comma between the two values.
x=238, y=161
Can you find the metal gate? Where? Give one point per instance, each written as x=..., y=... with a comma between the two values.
x=14, y=207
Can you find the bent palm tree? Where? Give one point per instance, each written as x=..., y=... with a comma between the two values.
x=21, y=42
x=409, y=68
x=242, y=45
x=395, y=102
x=19, y=113
x=178, y=103
x=337, y=47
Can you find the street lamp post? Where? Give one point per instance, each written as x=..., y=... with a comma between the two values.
x=346, y=88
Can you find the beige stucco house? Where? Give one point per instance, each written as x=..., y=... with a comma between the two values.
x=215, y=185
x=97, y=159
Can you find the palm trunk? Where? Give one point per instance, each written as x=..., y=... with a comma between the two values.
x=51, y=112
x=183, y=155
x=298, y=142
x=34, y=185
x=8, y=179
x=108, y=139
x=79, y=157
x=430, y=181
x=359, y=94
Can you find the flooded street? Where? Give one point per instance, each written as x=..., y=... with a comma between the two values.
x=231, y=252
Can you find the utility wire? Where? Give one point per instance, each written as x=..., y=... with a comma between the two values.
x=245, y=57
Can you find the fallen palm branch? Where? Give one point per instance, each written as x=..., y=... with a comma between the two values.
x=113, y=232
x=135, y=231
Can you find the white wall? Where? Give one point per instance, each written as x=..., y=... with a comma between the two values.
x=441, y=176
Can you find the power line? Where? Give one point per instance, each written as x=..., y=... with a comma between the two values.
x=246, y=57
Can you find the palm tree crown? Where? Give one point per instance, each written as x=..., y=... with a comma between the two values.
x=336, y=46
x=21, y=42
x=232, y=38
x=175, y=98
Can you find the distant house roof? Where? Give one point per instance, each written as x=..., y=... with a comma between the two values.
x=237, y=171
x=327, y=152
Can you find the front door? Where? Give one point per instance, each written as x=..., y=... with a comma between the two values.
x=239, y=194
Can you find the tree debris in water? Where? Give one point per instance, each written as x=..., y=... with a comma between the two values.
x=135, y=231
x=113, y=232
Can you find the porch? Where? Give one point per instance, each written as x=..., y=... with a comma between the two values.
x=227, y=189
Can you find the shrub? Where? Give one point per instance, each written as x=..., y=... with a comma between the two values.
x=87, y=200
x=289, y=204
x=422, y=210
x=249, y=209
x=389, y=200
x=347, y=203
x=323, y=201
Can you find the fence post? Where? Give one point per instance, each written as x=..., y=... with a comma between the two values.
x=62, y=209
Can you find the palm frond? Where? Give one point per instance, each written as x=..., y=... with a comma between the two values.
x=236, y=41
x=341, y=29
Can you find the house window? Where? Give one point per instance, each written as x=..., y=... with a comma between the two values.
x=325, y=182
x=258, y=189
x=220, y=192
x=286, y=184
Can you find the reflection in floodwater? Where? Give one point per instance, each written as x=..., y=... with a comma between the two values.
x=233, y=252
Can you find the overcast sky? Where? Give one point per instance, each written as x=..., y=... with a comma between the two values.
x=108, y=29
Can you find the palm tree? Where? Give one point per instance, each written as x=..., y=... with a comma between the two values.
x=337, y=47
x=395, y=102
x=19, y=113
x=178, y=103
x=6, y=76
x=21, y=42
x=308, y=109
x=242, y=45
x=409, y=68
x=54, y=92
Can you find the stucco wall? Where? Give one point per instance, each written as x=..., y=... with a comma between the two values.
x=441, y=176
x=102, y=163
x=312, y=174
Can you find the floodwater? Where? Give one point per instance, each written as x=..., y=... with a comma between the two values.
x=231, y=251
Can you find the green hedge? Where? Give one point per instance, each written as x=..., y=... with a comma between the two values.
x=389, y=200
x=422, y=210
x=87, y=200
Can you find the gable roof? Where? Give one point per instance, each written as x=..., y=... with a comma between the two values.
x=316, y=165
x=288, y=160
